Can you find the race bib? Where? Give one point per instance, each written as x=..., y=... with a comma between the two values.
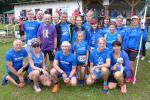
x=82, y=58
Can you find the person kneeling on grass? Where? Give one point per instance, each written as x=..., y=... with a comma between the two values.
x=36, y=70
x=14, y=64
x=99, y=64
x=120, y=68
x=65, y=65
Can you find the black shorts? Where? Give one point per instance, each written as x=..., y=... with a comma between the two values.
x=50, y=55
x=13, y=76
x=112, y=79
x=21, y=33
x=80, y=64
x=132, y=54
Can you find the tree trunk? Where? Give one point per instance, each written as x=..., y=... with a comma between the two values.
x=132, y=10
x=106, y=7
x=132, y=4
x=106, y=10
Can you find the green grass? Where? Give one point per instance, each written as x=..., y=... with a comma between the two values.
x=139, y=91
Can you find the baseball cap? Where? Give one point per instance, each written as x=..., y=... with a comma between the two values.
x=134, y=17
x=65, y=43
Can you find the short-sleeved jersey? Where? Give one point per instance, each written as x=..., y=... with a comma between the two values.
x=99, y=58
x=47, y=35
x=30, y=28
x=66, y=63
x=16, y=58
x=37, y=61
x=81, y=50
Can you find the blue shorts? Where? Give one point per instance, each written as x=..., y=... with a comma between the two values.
x=98, y=75
x=29, y=70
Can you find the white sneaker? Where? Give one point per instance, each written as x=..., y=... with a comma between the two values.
x=37, y=88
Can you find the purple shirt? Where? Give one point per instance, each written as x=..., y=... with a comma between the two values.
x=47, y=35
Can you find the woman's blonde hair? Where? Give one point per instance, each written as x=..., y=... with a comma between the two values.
x=78, y=32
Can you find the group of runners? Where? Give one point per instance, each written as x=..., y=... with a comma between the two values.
x=77, y=50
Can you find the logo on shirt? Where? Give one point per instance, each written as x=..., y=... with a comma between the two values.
x=81, y=48
x=64, y=62
x=100, y=61
x=30, y=28
x=65, y=31
x=18, y=58
x=45, y=33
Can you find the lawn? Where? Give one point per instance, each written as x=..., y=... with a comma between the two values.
x=139, y=91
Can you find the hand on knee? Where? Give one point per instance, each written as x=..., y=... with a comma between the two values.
x=45, y=80
x=53, y=71
x=48, y=84
x=73, y=81
x=34, y=75
x=118, y=75
x=21, y=85
x=105, y=71
x=89, y=81
x=112, y=85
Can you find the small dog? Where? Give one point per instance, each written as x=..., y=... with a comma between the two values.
x=120, y=63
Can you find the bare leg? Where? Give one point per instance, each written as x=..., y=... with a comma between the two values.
x=50, y=65
x=79, y=72
x=132, y=67
x=54, y=75
x=105, y=73
x=9, y=78
x=90, y=80
x=73, y=81
x=35, y=75
x=119, y=77
x=45, y=79
x=83, y=73
x=112, y=85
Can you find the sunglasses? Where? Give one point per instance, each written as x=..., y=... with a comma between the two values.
x=36, y=45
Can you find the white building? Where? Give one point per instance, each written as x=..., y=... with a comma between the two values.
x=49, y=5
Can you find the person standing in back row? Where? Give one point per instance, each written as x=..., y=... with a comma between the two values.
x=133, y=39
x=48, y=39
x=30, y=27
x=64, y=30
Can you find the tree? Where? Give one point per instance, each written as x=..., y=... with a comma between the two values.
x=106, y=6
x=132, y=4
